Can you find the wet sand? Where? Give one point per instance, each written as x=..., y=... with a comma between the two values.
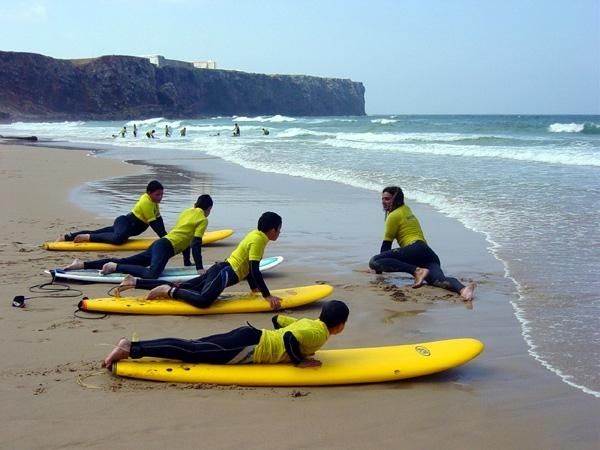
x=54, y=394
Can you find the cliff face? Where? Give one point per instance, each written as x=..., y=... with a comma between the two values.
x=36, y=87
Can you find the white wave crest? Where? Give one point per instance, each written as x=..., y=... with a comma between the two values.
x=151, y=121
x=566, y=127
x=274, y=119
x=384, y=121
x=295, y=132
x=33, y=125
x=402, y=137
x=542, y=155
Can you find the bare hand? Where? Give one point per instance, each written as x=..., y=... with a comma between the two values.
x=274, y=301
x=201, y=271
x=309, y=363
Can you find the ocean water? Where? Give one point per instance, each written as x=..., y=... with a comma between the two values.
x=531, y=184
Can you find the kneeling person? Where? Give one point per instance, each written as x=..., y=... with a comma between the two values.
x=243, y=263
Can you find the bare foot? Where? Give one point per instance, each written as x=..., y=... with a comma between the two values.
x=128, y=282
x=420, y=275
x=467, y=292
x=81, y=238
x=75, y=265
x=159, y=292
x=121, y=351
x=109, y=267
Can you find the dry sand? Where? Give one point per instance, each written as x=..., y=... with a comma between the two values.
x=54, y=394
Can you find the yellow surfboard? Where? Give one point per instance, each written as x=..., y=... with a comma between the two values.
x=233, y=303
x=136, y=244
x=348, y=366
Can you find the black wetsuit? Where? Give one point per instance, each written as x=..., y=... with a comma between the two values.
x=407, y=259
x=216, y=349
x=201, y=291
x=148, y=264
x=122, y=229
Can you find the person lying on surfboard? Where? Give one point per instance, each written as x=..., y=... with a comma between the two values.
x=292, y=340
x=413, y=256
x=145, y=213
x=150, y=263
x=243, y=263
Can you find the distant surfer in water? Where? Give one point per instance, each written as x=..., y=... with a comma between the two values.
x=150, y=134
x=188, y=231
x=292, y=340
x=265, y=132
x=413, y=256
x=145, y=213
x=236, y=130
x=243, y=263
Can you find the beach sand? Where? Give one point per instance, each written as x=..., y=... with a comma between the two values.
x=55, y=395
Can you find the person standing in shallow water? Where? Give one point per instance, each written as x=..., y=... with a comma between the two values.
x=413, y=256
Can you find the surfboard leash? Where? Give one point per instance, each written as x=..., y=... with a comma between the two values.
x=49, y=290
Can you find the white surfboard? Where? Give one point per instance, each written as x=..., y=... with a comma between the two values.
x=171, y=274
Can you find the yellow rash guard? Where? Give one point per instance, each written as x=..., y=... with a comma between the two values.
x=402, y=225
x=145, y=209
x=311, y=334
x=191, y=223
x=252, y=248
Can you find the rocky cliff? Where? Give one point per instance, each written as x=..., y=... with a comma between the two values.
x=36, y=87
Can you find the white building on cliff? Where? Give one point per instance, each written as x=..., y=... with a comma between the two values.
x=161, y=61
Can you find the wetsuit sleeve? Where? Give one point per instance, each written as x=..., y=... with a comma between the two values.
x=186, y=257
x=257, y=278
x=292, y=347
x=282, y=321
x=158, y=226
x=251, y=283
x=275, y=323
x=385, y=246
x=197, y=252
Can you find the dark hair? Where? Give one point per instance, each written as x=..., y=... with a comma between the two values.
x=334, y=312
x=398, y=199
x=154, y=186
x=269, y=221
x=204, y=202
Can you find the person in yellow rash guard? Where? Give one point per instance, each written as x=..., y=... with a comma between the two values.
x=188, y=230
x=292, y=340
x=145, y=213
x=413, y=256
x=243, y=263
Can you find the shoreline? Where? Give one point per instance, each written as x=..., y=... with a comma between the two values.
x=502, y=383
x=491, y=248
